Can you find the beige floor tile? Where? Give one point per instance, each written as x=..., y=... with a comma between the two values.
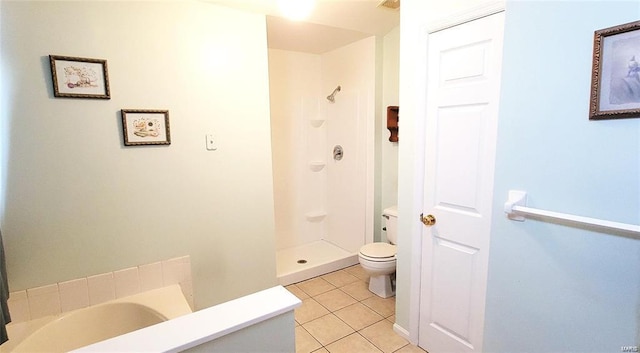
x=334, y=300
x=349, y=319
x=410, y=349
x=315, y=286
x=385, y=307
x=353, y=343
x=340, y=278
x=358, y=271
x=297, y=291
x=305, y=343
x=358, y=316
x=309, y=310
x=381, y=334
x=328, y=329
x=358, y=290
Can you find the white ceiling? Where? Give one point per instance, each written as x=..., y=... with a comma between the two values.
x=333, y=23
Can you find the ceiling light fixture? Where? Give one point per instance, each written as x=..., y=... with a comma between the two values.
x=296, y=9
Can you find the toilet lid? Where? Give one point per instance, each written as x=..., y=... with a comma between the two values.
x=378, y=250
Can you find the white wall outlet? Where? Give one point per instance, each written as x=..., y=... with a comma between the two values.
x=211, y=142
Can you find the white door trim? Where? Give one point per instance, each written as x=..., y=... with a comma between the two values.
x=470, y=14
x=467, y=15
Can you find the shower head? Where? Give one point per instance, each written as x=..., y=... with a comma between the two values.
x=332, y=97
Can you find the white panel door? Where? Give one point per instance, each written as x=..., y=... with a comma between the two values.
x=463, y=87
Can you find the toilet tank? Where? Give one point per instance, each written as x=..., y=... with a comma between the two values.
x=391, y=223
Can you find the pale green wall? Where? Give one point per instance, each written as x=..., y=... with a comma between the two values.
x=551, y=287
x=386, y=153
x=80, y=203
x=390, y=96
x=554, y=287
x=273, y=335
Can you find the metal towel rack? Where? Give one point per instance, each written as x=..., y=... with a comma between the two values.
x=516, y=209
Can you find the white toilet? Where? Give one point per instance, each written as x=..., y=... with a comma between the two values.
x=379, y=259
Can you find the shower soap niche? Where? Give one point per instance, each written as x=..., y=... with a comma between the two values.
x=316, y=166
x=315, y=216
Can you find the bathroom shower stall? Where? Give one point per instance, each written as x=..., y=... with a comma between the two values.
x=322, y=132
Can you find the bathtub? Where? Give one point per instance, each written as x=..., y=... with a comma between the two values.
x=82, y=327
x=255, y=323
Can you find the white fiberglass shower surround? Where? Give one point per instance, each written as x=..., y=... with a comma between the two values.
x=323, y=206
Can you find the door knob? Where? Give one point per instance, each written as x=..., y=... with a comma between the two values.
x=427, y=220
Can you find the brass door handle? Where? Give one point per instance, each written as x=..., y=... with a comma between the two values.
x=427, y=220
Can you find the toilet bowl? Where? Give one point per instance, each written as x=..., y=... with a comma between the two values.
x=379, y=259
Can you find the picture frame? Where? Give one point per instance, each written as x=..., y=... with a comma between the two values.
x=145, y=127
x=75, y=77
x=615, y=79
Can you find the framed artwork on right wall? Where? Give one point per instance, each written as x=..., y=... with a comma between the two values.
x=615, y=78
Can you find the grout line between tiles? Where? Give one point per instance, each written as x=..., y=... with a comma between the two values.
x=331, y=286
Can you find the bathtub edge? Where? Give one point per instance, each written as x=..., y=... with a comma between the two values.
x=203, y=326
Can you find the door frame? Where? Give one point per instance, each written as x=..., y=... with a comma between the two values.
x=417, y=229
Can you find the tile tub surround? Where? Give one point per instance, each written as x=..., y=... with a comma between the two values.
x=79, y=293
x=339, y=314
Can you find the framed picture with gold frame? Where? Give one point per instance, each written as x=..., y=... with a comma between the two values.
x=75, y=77
x=145, y=127
x=615, y=79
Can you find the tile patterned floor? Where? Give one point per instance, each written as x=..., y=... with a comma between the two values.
x=339, y=315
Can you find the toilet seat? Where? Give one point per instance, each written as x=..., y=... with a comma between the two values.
x=378, y=252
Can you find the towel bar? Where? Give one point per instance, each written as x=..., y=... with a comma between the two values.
x=516, y=209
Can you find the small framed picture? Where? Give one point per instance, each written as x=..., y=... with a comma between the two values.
x=615, y=79
x=79, y=77
x=145, y=127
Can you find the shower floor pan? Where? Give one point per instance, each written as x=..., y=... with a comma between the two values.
x=311, y=260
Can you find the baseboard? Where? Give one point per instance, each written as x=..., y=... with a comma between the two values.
x=402, y=333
